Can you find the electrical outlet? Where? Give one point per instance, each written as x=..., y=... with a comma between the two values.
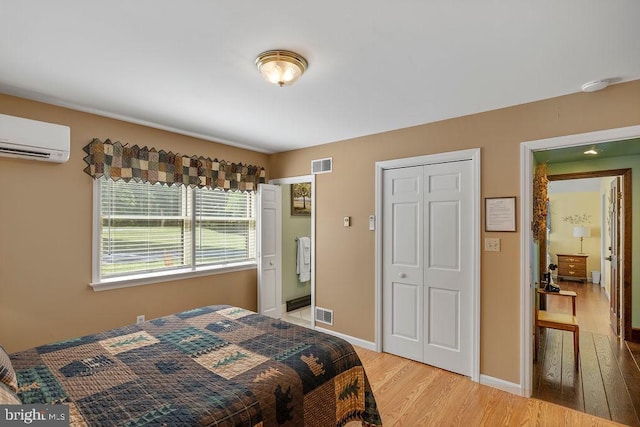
x=140, y=319
x=492, y=244
x=346, y=221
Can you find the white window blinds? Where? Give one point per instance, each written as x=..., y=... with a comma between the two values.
x=225, y=226
x=147, y=228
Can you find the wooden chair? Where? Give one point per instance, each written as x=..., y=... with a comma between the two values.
x=561, y=321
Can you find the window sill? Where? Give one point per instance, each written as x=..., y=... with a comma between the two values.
x=167, y=276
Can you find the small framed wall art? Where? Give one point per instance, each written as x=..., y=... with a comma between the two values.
x=301, y=199
x=500, y=214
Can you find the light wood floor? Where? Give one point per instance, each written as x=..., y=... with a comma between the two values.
x=412, y=394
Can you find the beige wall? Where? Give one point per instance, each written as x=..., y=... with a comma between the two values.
x=292, y=227
x=345, y=256
x=561, y=237
x=45, y=239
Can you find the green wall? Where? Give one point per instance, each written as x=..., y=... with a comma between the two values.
x=632, y=162
x=292, y=227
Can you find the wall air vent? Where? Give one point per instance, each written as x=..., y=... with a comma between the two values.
x=324, y=315
x=322, y=165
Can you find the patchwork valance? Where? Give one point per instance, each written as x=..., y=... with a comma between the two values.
x=117, y=161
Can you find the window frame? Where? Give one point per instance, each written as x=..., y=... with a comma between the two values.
x=137, y=279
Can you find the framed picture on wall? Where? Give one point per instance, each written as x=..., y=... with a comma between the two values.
x=500, y=214
x=301, y=199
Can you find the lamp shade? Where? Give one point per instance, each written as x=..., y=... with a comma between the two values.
x=581, y=232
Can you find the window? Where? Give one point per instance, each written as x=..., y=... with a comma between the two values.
x=146, y=230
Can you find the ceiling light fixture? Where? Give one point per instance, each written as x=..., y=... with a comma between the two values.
x=281, y=67
x=595, y=85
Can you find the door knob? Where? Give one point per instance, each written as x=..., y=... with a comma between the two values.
x=270, y=262
x=402, y=275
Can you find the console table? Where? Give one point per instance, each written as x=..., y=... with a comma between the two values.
x=572, y=267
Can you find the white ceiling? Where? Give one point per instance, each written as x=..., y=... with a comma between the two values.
x=374, y=65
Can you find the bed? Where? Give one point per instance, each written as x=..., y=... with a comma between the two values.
x=211, y=366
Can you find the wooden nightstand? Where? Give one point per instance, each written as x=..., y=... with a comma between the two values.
x=572, y=267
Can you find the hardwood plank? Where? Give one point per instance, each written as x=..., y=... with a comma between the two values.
x=551, y=372
x=400, y=405
x=430, y=396
x=634, y=349
x=595, y=399
x=620, y=404
x=571, y=385
x=487, y=402
x=441, y=396
x=629, y=366
x=537, y=366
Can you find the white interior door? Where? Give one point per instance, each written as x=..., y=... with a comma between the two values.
x=428, y=264
x=402, y=285
x=448, y=226
x=269, y=230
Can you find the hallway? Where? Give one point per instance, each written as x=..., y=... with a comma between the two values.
x=607, y=383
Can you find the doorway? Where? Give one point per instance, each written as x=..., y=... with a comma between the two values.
x=586, y=238
x=528, y=261
x=296, y=293
x=591, y=207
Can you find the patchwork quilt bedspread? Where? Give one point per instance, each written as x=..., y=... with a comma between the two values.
x=212, y=366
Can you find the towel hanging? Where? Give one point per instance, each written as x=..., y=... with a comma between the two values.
x=303, y=261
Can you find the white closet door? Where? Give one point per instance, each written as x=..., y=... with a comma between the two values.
x=402, y=286
x=448, y=224
x=427, y=264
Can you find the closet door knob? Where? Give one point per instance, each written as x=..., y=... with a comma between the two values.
x=402, y=275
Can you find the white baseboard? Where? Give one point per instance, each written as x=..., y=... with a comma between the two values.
x=501, y=384
x=348, y=338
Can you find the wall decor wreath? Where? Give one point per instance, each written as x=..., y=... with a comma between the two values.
x=540, y=199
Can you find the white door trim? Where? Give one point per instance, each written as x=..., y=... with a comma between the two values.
x=312, y=180
x=474, y=156
x=526, y=191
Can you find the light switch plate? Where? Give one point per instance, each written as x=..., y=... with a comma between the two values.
x=492, y=244
x=346, y=221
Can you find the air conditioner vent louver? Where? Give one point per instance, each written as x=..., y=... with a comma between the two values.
x=322, y=165
x=324, y=315
x=27, y=153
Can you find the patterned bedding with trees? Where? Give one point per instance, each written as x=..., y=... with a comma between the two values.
x=212, y=366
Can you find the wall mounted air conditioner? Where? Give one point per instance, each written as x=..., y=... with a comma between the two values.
x=31, y=139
